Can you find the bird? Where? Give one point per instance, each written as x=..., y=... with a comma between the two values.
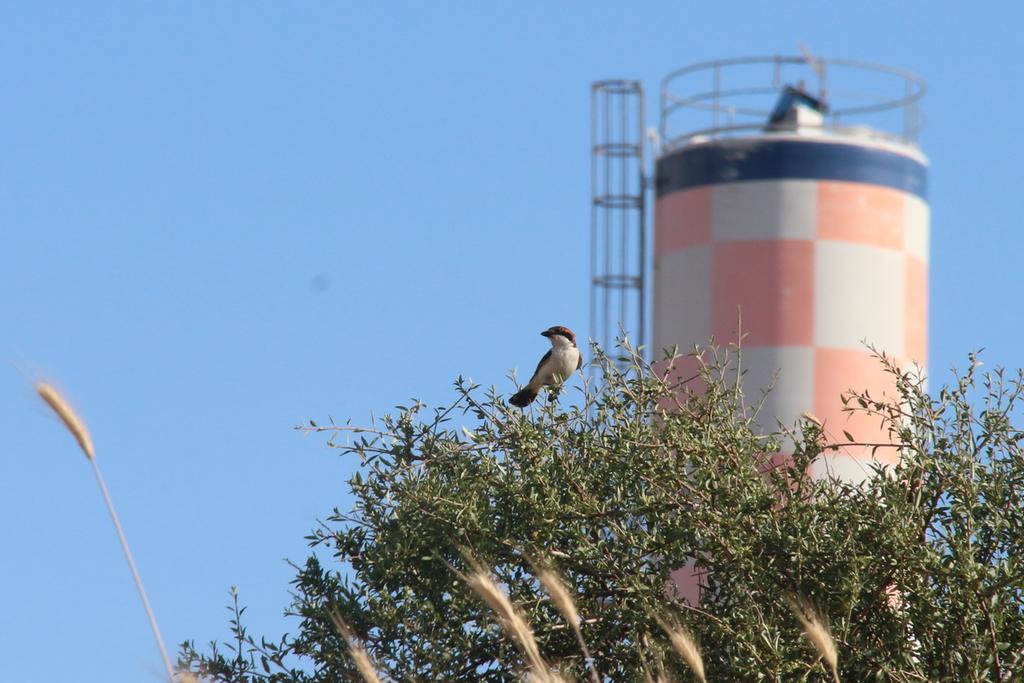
x=557, y=365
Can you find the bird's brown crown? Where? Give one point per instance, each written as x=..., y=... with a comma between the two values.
x=560, y=330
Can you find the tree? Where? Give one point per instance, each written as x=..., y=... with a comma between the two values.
x=918, y=571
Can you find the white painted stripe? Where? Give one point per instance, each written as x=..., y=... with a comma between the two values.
x=858, y=297
x=791, y=368
x=764, y=210
x=918, y=229
x=682, y=299
x=847, y=467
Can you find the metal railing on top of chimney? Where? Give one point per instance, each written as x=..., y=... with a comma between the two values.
x=731, y=97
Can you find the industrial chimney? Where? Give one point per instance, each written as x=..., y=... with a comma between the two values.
x=797, y=211
x=802, y=215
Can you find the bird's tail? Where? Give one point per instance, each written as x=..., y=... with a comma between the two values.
x=523, y=398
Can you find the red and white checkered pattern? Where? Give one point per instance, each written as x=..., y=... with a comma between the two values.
x=811, y=270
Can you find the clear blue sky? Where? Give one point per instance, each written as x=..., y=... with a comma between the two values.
x=220, y=219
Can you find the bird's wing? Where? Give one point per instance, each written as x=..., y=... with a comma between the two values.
x=541, y=364
x=579, y=363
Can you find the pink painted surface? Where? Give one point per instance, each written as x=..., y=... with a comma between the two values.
x=685, y=583
x=861, y=213
x=682, y=219
x=682, y=374
x=916, y=311
x=836, y=372
x=775, y=461
x=771, y=283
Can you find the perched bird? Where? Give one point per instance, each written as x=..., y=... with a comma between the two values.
x=557, y=365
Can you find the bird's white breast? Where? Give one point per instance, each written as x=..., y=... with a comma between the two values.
x=563, y=362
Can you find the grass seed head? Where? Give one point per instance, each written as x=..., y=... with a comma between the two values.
x=817, y=630
x=511, y=621
x=74, y=424
x=686, y=647
x=565, y=604
x=559, y=596
x=359, y=654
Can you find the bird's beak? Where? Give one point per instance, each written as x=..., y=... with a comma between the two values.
x=545, y=333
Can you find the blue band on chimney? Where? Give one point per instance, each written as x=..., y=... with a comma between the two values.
x=738, y=160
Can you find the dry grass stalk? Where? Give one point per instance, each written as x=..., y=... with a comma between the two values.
x=686, y=647
x=817, y=630
x=68, y=416
x=512, y=622
x=565, y=604
x=76, y=426
x=359, y=654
